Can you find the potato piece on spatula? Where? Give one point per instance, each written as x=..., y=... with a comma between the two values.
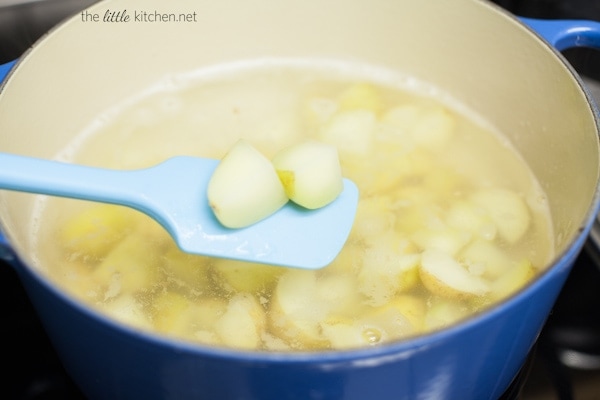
x=310, y=172
x=244, y=187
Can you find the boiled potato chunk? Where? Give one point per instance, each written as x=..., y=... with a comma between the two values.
x=310, y=172
x=400, y=122
x=434, y=128
x=352, y=132
x=466, y=216
x=487, y=258
x=244, y=187
x=131, y=266
x=389, y=268
x=373, y=327
x=171, y=313
x=243, y=323
x=374, y=216
x=444, y=276
x=208, y=310
x=390, y=320
x=296, y=310
x=345, y=333
x=76, y=278
x=412, y=307
x=338, y=292
x=129, y=311
x=348, y=261
x=320, y=109
x=512, y=280
x=445, y=239
x=178, y=315
x=361, y=96
x=443, y=313
x=95, y=230
x=428, y=127
x=507, y=209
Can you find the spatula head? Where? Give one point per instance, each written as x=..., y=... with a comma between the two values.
x=292, y=237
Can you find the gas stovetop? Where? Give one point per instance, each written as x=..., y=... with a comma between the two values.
x=564, y=365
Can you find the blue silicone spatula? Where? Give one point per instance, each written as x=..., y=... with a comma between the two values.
x=174, y=194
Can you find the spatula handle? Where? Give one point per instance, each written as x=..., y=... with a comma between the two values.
x=34, y=175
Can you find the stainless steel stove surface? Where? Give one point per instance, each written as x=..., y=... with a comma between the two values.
x=564, y=365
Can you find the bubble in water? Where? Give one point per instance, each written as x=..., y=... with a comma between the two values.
x=372, y=335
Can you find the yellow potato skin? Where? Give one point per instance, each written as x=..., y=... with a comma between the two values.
x=95, y=230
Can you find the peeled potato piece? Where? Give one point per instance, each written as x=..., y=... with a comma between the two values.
x=351, y=132
x=374, y=216
x=448, y=240
x=443, y=275
x=338, y=292
x=345, y=333
x=443, y=313
x=466, y=216
x=129, y=311
x=512, y=280
x=507, y=209
x=244, y=187
x=132, y=265
x=412, y=307
x=390, y=320
x=310, y=172
x=389, y=267
x=361, y=96
x=171, y=313
x=296, y=310
x=434, y=129
x=195, y=318
x=486, y=257
x=429, y=127
x=176, y=314
x=318, y=110
x=373, y=327
x=207, y=311
x=243, y=323
x=76, y=278
x=400, y=121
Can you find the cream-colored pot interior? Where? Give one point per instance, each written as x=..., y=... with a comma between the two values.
x=483, y=57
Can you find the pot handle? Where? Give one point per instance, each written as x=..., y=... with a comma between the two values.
x=5, y=69
x=6, y=253
x=564, y=34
